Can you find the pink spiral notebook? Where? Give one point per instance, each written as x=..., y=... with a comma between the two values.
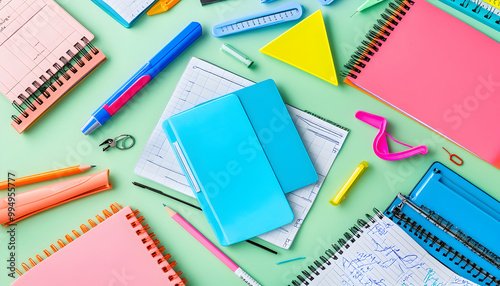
x=118, y=250
x=436, y=69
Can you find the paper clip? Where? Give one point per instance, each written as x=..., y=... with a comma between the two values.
x=452, y=156
x=119, y=142
x=380, y=146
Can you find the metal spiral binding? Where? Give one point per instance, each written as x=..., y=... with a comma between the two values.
x=376, y=37
x=327, y=120
x=50, y=82
x=336, y=251
x=151, y=243
x=421, y=233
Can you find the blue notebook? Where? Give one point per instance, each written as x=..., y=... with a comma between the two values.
x=239, y=152
x=125, y=12
x=229, y=174
x=455, y=221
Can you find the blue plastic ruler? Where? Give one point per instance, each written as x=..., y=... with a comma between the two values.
x=479, y=10
x=288, y=12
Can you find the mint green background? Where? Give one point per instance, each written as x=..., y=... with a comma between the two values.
x=55, y=141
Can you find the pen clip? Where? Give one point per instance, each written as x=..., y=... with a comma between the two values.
x=184, y=164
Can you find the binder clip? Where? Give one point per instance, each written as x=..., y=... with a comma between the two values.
x=119, y=142
x=380, y=146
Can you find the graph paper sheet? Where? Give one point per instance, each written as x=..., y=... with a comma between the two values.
x=34, y=35
x=384, y=254
x=129, y=9
x=202, y=81
x=323, y=142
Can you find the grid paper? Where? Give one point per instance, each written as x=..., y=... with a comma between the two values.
x=34, y=34
x=323, y=142
x=384, y=254
x=202, y=81
x=129, y=9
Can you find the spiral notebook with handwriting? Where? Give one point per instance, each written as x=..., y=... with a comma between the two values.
x=377, y=251
x=445, y=232
x=44, y=53
x=118, y=250
x=435, y=69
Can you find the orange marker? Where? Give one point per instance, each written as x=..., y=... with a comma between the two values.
x=162, y=6
x=46, y=176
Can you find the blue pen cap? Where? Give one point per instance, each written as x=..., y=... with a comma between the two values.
x=91, y=125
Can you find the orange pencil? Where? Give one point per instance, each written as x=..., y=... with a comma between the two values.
x=46, y=176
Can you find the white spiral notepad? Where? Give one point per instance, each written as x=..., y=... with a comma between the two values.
x=379, y=252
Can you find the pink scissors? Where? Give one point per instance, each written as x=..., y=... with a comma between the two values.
x=380, y=146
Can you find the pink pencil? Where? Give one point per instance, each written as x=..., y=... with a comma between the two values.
x=212, y=248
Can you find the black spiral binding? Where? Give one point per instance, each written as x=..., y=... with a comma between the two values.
x=438, y=245
x=327, y=120
x=336, y=251
x=51, y=81
x=376, y=37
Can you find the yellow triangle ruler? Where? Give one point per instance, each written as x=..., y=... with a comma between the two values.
x=305, y=46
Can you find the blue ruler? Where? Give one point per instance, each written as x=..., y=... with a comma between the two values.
x=288, y=12
x=479, y=10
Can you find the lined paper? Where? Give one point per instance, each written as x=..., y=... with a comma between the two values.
x=202, y=81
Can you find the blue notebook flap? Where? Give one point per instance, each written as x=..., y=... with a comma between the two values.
x=237, y=189
x=445, y=192
x=453, y=199
x=278, y=136
x=141, y=7
x=434, y=240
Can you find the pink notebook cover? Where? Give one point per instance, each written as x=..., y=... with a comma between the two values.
x=111, y=253
x=34, y=34
x=444, y=74
x=37, y=39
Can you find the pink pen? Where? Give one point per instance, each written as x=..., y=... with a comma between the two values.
x=212, y=248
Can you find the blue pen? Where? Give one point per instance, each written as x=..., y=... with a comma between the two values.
x=185, y=38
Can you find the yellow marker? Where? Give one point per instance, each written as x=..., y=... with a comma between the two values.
x=339, y=197
x=162, y=6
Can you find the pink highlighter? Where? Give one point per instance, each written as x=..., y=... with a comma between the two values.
x=380, y=146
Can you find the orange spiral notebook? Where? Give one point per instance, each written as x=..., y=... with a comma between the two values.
x=117, y=251
x=44, y=53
